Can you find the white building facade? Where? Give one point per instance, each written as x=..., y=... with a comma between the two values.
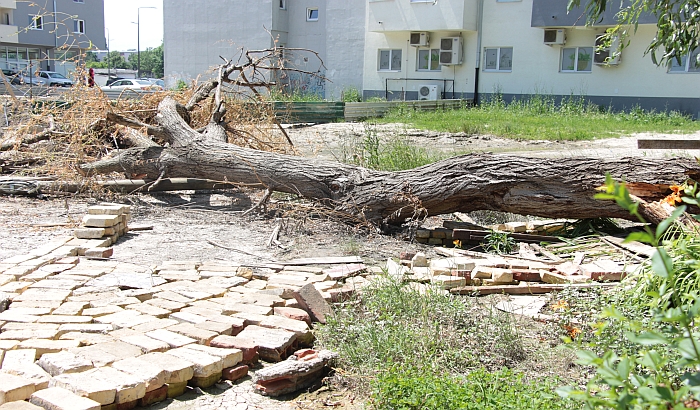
x=428, y=49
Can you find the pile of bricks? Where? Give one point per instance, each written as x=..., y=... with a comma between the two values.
x=466, y=271
x=102, y=227
x=84, y=333
x=446, y=237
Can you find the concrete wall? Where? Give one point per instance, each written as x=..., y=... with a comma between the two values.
x=61, y=33
x=421, y=15
x=197, y=32
x=553, y=13
x=345, y=44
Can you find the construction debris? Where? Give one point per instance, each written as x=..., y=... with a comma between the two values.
x=298, y=372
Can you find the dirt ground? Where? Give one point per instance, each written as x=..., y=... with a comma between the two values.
x=191, y=225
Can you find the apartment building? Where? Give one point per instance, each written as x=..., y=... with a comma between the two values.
x=49, y=34
x=429, y=49
x=197, y=34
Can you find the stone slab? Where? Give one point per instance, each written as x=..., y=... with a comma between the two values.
x=15, y=388
x=173, y=339
x=71, y=308
x=273, y=344
x=87, y=384
x=64, y=362
x=154, y=376
x=32, y=372
x=18, y=358
x=229, y=357
x=312, y=301
x=60, y=319
x=129, y=387
x=202, y=336
x=44, y=346
x=204, y=365
x=177, y=370
x=145, y=343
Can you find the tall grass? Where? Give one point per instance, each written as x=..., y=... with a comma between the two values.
x=543, y=117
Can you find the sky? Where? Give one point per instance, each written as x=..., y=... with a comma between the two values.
x=119, y=15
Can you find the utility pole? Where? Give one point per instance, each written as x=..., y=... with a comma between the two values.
x=138, y=40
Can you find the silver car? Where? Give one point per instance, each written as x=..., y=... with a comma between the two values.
x=53, y=79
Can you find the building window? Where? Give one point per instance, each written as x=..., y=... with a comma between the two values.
x=312, y=14
x=422, y=1
x=283, y=4
x=577, y=59
x=428, y=59
x=79, y=26
x=36, y=22
x=498, y=59
x=687, y=65
x=390, y=60
x=78, y=1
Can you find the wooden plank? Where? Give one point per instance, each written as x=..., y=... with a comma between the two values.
x=525, y=288
x=668, y=144
x=330, y=260
x=477, y=235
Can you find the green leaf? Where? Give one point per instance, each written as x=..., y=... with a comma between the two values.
x=663, y=225
x=586, y=357
x=687, y=349
x=648, y=339
x=661, y=263
x=640, y=236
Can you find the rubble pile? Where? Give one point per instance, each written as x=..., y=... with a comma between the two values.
x=102, y=227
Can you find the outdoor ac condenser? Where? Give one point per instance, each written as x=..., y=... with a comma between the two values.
x=429, y=92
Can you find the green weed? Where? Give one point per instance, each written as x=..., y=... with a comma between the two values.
x=498, y=242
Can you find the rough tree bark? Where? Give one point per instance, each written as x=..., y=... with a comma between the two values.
x=543, y=187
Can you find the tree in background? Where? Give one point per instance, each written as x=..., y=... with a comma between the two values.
x=151, y=61
x=678, y=24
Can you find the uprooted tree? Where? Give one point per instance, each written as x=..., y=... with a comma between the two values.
x=562, y=187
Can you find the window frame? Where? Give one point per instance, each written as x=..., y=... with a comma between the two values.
x=34, y=19
x=79, y=1
x=391, y=68
x=430, y=59
x=577, y=54
x=77, y=25
x=283, y=4
x=309, y=12
x=685, y=64
x=498, y=68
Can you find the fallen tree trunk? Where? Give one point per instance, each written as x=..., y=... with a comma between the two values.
x=556, y=188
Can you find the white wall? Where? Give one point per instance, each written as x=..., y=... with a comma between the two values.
x=536, y=67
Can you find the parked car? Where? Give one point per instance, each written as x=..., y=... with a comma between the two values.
x=53, y=79
x=156, y=81
x=131, y=84
x=13, y=76
x=110, y=80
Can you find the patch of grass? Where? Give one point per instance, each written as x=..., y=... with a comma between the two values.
x=541, y=117
x=396, y=154
x=430, y=350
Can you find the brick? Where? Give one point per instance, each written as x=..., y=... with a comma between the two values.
x=44, y=346
x=202, y=336
x=229, y=357
x=177, y=370
x=8, y=345
x=43, y=295
x=173, y=297
x=129, y=387
x=154, y=396
x=102, y=252
x=248, y=347
x=87, y=339
x=19, y=405
x=237, y=324
x=15, y=287
x=86, y=384
x=18, y=358
x=4, y=279
x=556, y=278
x=186, y=317
x=145, y=343
x=30, y=311
x=154, y=376
x=32, y=372
x=166, y=304
x=110, y=209
x=102, y=328
x=502, y=276
x=89, y=233
x=36, y=304
x=155, y=325
x=173, y=339
x=204, y=365
x=102, y=311
x=63, y=362
x=127, y=318
x=273, y=344
x=71, y=308
x=11, y=316
x=59, y=319
x=177, y=389
x=140, y=294
x=216, y=327
x=28, y=334
x=100, y=221
x=57, y=398
x=313, y=302
x=14, y=388
x=105, y=353
x=300, y=328
x=147, y=309
x=235, y=373
x=527, y=275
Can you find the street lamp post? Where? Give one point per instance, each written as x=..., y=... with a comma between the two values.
x=138, y=40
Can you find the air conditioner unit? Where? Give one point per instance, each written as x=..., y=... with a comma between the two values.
x=554, y=37
x=430, y=92
x=451, y=50
x=603, y=57
x=420, y=39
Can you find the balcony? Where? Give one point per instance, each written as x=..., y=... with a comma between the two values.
x=8, y=4
x=8, y=34
x=416, y=15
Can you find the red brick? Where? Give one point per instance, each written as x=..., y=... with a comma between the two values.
x=247, y=346
x=128, y=405
x=293, y=313
x=154, y=396
x=313, y=302
x=99, y=252
x=235, y=373
x=526, y=275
